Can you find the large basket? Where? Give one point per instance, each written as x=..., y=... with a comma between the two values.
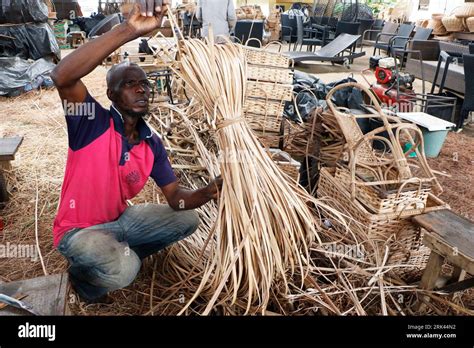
x=470, y=24
x=264, y=107
x=453, y=24
x=264, y=123
x=375, y=226
x=436, y=24
x=410, y=254
x=287, y=164
x=395, y=230
x=266, y=74
x=268, y=139
x=269, y=90
x=464, y=11
x=379, y=201
x=261, y=57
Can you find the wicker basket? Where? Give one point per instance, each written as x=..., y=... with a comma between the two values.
x=392, y=168
x=453, y=24
x=257, y=56
x=437, y=25
x=470, y=24
x=268, y=139
x=264, y=123
x=268, y=74
x=409, y=252
x=287, y=164
x=269, y=90
x=376, y=226
x=405, y=236
x=464, y=11
x=423, y=23
x=383, y=202
x=264, y=107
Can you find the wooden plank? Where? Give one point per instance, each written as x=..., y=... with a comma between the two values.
x=432, y=271
x=47, y=295
x=8, y=148
x=455, y=230
x=452, y=255
x=464, y=36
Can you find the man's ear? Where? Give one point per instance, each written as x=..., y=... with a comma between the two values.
x=111, y=95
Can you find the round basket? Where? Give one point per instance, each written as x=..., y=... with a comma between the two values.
x=422, y=23
x=453, y=24
x=470, y=24
x=437, y=26
x=465, y=11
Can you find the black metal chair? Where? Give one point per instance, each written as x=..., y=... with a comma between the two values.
x=249, y=32
x=191, y=26
x=304, y=36
x=365, y=24
x=468, y=104
x=421, y=34
x=288, y=29
x=378, y=23
x=321, y=27
x=395, y=41
x=379, y=34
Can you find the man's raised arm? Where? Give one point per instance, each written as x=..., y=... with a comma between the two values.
x=145, y=16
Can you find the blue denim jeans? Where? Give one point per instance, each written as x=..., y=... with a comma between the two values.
x=108, y=256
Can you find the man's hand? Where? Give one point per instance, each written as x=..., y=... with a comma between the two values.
x=214, y=187
x=68, y=73
x=146, y=15
x=180, y=198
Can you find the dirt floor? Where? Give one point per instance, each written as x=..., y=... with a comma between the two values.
x=36, y=178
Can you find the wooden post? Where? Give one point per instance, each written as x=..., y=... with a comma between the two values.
x=432, y=271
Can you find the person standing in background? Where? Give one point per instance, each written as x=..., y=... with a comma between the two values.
x=220, y=14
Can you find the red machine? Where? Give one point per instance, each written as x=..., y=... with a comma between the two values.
x=393, y=88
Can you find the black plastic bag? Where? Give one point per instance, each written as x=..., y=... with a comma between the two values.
x=87, y=23
x=348, y=97
x=31, y=41
x=23, y=11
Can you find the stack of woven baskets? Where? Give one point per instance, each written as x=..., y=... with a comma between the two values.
x=269, y=88
x=378, y=190
x=273, y=24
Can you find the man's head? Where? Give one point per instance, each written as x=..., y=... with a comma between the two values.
x=128, y=88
